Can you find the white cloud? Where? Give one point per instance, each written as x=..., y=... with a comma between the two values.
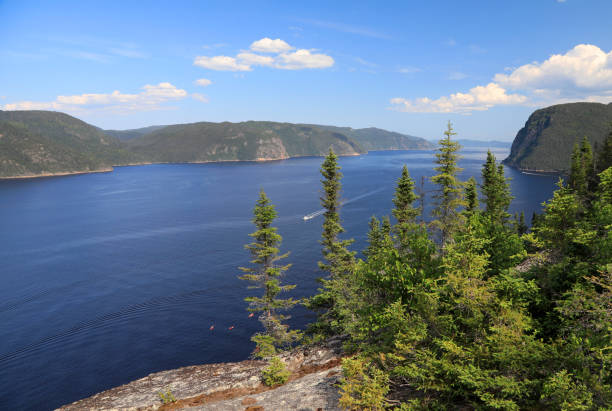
x=477, y=99
x=199, y=97
x=584, y=73
x=302, y=59
x=150, y=98
x=585, y=68
x=252, y=59
x=280, y=55
x=204, y=82
x=221, y=63
x=267, y=45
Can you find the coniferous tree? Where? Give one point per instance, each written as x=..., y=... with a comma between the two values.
x=335, y=251
x=521, y=225
x=495, y=190
x=586, y=160
x=404, y=212
x=412, y=239
x=576, y=177
x=334, y=300
x=604, y=159
x=449, y=196
x=265, y=273
x=471, y=196
x=374, y=237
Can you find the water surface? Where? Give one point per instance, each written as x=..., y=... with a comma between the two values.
x=109, y=277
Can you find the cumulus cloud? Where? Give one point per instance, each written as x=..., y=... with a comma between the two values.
x=204, y=82
x=252, y=59
x=278, y=54
x=583, y=73
x=477, y=99
x=585, y=68
x=301, y=59
x=267, y=45
x=150, y=98
x=221, y=63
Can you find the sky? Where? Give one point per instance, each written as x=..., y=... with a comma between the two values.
x=406, y=66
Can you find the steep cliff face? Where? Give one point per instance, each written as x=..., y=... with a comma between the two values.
x=545, y=142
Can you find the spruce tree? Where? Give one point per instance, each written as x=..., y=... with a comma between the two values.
x=335, y=251
x=334, y=300
x=495, y=191
x=404, y=212
x=265, y=273
x=449, y=196
x=471, y=196
x=604, y=159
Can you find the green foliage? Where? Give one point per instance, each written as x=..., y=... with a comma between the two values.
x=449, y=196
x=38, y=142
x=363, y=387
x=266, y=274
x=604, y=160
x=471, y=196
x=275, y=373
x=336, y=299
x=561, y=392
x=545, y=143
x=462, y=328
x=167, y=397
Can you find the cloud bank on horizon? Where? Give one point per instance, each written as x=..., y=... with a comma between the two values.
x=151, y=98
x=583, y=73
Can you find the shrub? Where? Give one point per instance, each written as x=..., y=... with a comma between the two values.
x=276, y=373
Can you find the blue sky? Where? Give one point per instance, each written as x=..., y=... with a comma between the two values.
x=406, y=66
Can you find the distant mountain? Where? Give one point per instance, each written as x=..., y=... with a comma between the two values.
x=251, y=140
x=132, y=133
x=484, y=143
x=45, y=142
x=377, y=139
x=34, y=143
x=546, y=141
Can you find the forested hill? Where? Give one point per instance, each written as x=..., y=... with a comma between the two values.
x=34, y=143
x=251, y=140
x=546, y=141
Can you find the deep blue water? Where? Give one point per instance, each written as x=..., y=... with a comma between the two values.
x=109, y=277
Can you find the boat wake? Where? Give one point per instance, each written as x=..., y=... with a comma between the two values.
x=359, y=197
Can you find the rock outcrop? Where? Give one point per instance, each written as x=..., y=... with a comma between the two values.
x=314, y=370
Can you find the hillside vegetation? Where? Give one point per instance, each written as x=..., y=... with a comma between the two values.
x=36, y=143
x=44, y=142
x=546, y=141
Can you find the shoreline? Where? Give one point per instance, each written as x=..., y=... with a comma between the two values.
x=145, y=163
x=59, y=174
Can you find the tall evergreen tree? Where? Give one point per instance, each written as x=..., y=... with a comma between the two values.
x=265, y=273
x=404, y=212
x=582, y=178
x=335, y=251
x=449, y=196
x=471, y=196
x=604, y=159
x=335, y=298
x=495, y=190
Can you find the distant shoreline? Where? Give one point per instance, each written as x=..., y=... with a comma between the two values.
x=145, y=163
x=58, y=174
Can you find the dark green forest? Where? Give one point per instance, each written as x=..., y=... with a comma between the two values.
x=465, y=309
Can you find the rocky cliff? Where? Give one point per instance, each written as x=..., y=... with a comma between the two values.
x=545, y=142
